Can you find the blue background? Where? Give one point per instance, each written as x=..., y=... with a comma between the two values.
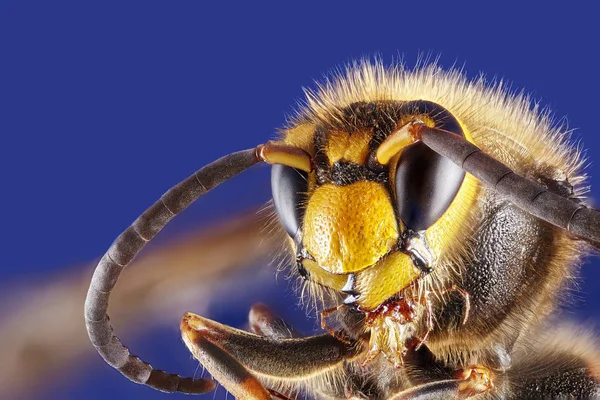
x=106, y=105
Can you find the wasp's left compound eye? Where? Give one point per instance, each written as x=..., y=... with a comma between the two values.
x=289, y=186
x=426, y=182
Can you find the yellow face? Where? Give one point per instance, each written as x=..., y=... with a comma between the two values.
x=349, y=228
x=351, y=223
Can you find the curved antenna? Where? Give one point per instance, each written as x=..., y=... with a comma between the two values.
x=125, y=248
x=525, y=193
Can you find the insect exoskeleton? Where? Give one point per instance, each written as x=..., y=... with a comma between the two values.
x=423, y=252
x=434, y=221
x=377, y=213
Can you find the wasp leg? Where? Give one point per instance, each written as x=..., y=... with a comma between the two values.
x=265, y=323
x=562, y=364
x=473, y=381
x=421, y=366
x=433, y=380
x=237, y=358
x=446, y=389
x=429, y=326
x=324, y=315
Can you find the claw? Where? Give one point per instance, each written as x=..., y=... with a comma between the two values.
x=476, y=379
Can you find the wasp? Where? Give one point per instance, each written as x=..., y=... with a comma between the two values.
x=435, y=222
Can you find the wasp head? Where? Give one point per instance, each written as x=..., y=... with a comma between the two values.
x=363, y=215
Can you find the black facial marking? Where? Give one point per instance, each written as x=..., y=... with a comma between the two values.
x=349, y=287
x=301, y=256
x=362, y=115
x=320, y=142
x=302, y=271
x=377, y=117
x=346, y=173
x=420, y=263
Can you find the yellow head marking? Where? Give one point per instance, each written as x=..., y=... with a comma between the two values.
x=348, y=147
x=349, y=228
x=301, y=136
x=392, y=274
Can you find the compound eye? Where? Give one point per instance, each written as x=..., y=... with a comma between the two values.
x=289, y=186
x=426, y=183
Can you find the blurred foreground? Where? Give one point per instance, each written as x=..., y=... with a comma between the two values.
x=44, y=341
x=218, y=272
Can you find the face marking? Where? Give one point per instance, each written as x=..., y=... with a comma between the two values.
x=352, y=147
x=349, y=228
x=301, y=136
x=338, y=232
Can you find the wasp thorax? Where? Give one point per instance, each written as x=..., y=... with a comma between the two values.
x=349, y=228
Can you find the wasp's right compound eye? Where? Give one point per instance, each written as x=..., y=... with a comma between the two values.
x=289, y=186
